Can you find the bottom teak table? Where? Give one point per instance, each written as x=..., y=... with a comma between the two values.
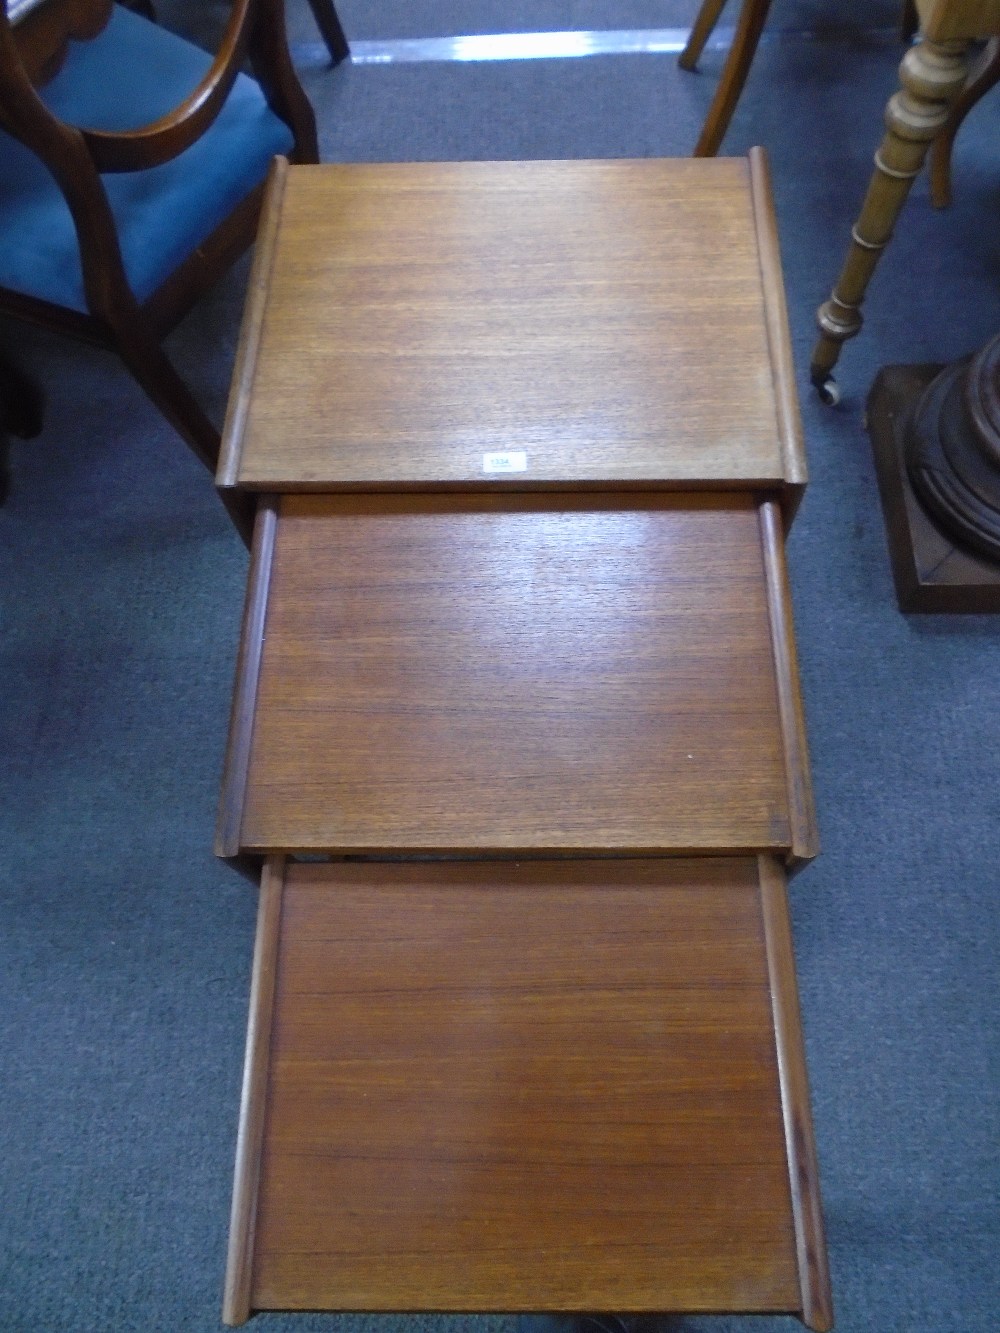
x=517, y=739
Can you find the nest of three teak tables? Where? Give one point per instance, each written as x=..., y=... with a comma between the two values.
x=518, y=744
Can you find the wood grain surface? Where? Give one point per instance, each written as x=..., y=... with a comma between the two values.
x=948, y=20
x=255, y=602
x=253, y=1102
x=801, y=806
x=786, y=398
x=607, y=319
x=547, y=1085
x=803, y=1168
x=503, y=673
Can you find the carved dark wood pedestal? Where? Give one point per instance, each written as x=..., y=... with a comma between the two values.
x=935, y=433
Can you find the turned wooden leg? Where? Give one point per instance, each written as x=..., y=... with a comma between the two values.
x=152, y=369
x=752, y=18
x=708, y=17
x=909, y=21
x=984, y=77
x=932, y=76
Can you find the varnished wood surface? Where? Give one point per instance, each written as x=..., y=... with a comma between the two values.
x=237, y=764
x=786, y=398
x=253, y=1103
x=803, y=1169
x=547, y=1085
x=946, y=20
x=605, y=318
x=503, y=673
x=801, y=807
x=251, y=324
x=43, y=30
x=932, y=76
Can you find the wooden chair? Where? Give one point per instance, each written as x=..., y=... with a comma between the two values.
x=132, y=177
x=750, y=24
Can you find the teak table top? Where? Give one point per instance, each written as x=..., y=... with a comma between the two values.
x=553, y=1085
x=518, y=673
x=532, y=324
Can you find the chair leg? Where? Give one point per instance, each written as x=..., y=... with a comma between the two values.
x=150, y=366
x=328, y=22
x=274, y=71
x=21, y=403
x=20, y=414
x=752, y=18
x=985, y=76
x=708, y=17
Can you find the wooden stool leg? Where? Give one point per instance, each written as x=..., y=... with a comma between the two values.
x=708, y=17
x=753, y=15
x=984, y=77
x=932, y=76
x=909, y=21
x=328, y=22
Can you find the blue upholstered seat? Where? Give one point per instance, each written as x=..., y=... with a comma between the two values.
x=131, y=74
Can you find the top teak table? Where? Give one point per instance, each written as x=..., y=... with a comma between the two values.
x=569, y=325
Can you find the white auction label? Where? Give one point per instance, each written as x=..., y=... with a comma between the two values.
x=516, y=461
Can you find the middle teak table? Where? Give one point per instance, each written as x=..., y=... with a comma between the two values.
x=517, y=739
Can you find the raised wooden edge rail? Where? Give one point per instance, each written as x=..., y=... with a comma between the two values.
x=253, y=1103
x=801, y=807
x=786, y=400
x=803, y=1169
x=237, y=761
x=251, y=327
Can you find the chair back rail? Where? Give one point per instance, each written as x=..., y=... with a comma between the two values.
x=156, y=143
x=43, y=30
x=63, y=149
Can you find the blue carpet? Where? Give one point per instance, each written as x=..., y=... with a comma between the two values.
x=125, y=949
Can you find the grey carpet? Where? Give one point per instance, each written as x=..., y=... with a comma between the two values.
x=430, y=18
x=125, y=949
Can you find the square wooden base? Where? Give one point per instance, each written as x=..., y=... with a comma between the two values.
x=931, y=573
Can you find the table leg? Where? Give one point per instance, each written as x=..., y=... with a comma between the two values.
x=981, y=79
x=932, y=75
x=753, y=16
